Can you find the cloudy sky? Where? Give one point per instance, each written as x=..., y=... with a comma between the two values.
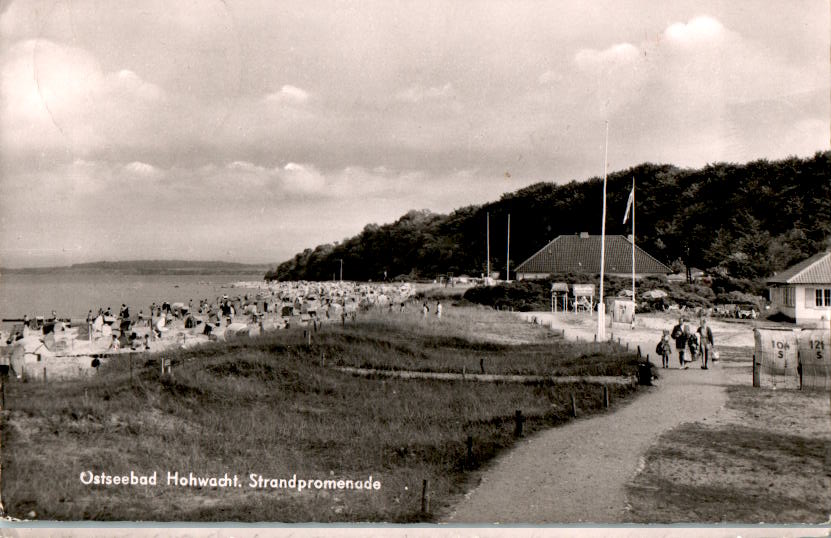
x=247, y=130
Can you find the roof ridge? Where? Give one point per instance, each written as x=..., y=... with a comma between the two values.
x=531, y=257
x=570, y=241
x=653, y=258
x=819, y=257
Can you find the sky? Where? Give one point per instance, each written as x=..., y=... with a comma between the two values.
x=248, y=130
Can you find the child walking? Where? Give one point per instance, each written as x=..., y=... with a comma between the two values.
x=664, y=349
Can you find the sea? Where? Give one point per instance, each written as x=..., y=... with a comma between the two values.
x=72, y=295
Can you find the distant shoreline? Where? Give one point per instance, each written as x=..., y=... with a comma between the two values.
x=146, y=267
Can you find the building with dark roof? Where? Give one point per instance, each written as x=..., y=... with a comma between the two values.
x=581, y=254
x=803, y=291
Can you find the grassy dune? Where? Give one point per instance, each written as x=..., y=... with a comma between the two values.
x=268, y=406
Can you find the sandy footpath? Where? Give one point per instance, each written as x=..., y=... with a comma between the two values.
x=578, y=472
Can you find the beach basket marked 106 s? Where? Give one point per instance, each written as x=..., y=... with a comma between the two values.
x=776, y=363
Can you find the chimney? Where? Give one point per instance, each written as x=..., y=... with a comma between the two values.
x=584, y=235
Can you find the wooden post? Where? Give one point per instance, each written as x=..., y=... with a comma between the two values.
x=518, y=420
x=469, y=455
x=44, y=374
x=639, y=351
x=482, y=365
x=309, y=344
x=605, y=397
x=573, y=406
x=425, y=500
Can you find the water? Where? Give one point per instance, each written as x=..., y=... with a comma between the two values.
x=72, y=295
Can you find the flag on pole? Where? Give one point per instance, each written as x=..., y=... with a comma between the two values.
x=629, y=204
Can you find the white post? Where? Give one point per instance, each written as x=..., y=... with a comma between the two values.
x=601, y=307
x=488, y=246
x=634, y=302
x=508, y=257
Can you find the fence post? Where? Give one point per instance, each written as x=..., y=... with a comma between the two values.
x=44, y=374
x=482, y=365
x=573, y=406
x=605, y=396
x=639, y=351
x=518, y=419
x=425, y=500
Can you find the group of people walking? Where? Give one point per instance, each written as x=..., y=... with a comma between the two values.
x=698, y=342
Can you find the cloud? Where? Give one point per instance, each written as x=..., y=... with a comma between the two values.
x=302, y=179
x=142, y=169
x=288, y=94
x=700, y=30
x=617, y=56
x=57, y=97
x=418, y=94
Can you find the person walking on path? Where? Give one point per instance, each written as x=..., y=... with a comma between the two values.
x=693, y=343
x=705, y=336
x=438, y=310
x=680, y=338
x=664, y=349
x=425, y=310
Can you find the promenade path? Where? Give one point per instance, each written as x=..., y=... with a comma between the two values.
x=577, y=473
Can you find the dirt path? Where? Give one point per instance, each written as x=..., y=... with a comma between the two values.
x=449, y=376
x=578, y=472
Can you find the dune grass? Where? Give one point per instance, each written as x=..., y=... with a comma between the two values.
x=269, y=406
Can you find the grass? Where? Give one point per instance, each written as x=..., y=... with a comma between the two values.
x=466, y=340
x=268, y=406
x=766, y=462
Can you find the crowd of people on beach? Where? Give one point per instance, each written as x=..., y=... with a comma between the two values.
x=698, y=342
x=263, y=305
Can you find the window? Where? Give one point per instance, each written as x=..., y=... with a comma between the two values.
x=789, y=296
x=823, y=297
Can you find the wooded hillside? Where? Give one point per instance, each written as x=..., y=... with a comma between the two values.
x=740, y=221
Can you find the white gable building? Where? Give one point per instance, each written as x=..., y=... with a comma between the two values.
x=803, y=291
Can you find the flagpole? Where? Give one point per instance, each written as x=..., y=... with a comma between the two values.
x=634, y=302
x=601, y=308
x=508, y=256
x=488, y=247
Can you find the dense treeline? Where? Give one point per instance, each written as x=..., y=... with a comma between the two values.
x=738, y=221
